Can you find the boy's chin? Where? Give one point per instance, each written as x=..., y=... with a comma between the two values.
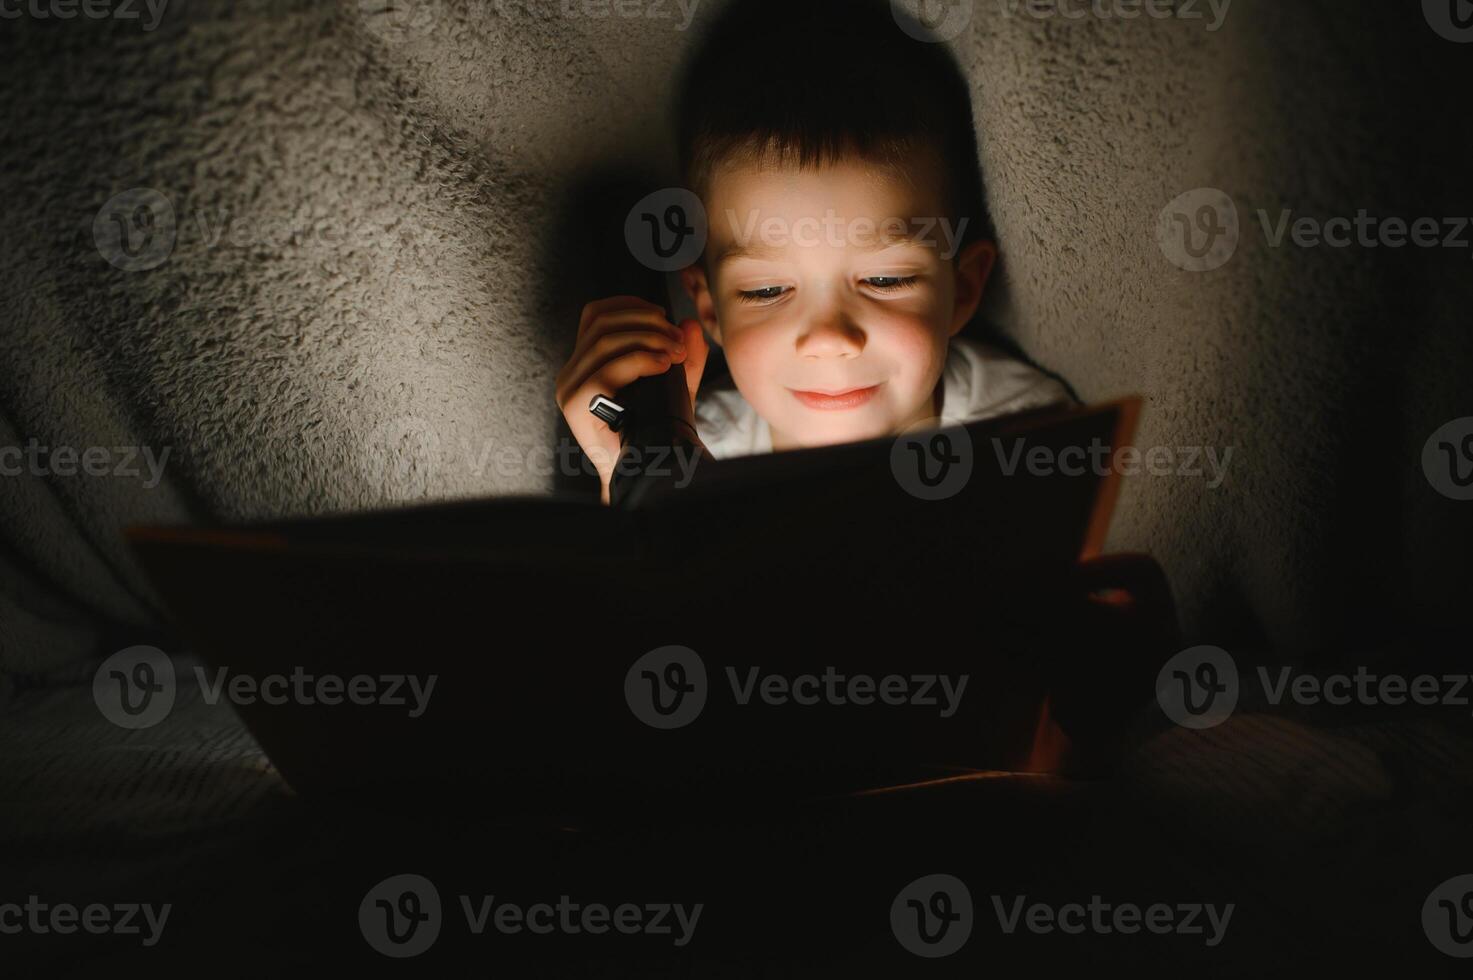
x=815, y=437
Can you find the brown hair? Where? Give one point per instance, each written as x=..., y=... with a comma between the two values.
x=812, y=82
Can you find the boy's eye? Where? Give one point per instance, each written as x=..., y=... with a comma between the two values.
x=889, y=283
x=764, y=295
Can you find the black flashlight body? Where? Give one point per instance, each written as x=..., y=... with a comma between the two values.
x=658, y=440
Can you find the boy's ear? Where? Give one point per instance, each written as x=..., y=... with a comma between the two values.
x=973, y=267
x=699, y=290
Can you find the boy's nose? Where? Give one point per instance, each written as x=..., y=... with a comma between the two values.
x=830, y=334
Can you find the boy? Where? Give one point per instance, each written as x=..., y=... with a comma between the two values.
x=848, y=244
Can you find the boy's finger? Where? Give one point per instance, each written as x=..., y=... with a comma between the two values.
x=696, y=353
x=623, y=320
x=610, y=347
x=622, y=371
x=593, y=353
x=611, y=304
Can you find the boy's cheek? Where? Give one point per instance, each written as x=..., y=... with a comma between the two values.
x=930, y=304
x=753, y=367
x=915, y=339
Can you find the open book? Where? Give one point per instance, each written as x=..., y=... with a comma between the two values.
x=938, y=554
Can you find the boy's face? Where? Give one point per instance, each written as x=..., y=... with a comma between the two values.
x=834, y=280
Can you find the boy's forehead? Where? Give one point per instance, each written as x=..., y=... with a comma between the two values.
x=848, y=189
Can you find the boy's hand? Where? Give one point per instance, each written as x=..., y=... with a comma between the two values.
x=622, y=339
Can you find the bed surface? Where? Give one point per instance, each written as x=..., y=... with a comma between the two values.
x=1318, y=834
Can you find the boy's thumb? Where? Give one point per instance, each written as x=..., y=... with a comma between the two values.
x=696, y=352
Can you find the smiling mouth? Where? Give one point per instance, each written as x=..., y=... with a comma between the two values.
x=836, y=401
